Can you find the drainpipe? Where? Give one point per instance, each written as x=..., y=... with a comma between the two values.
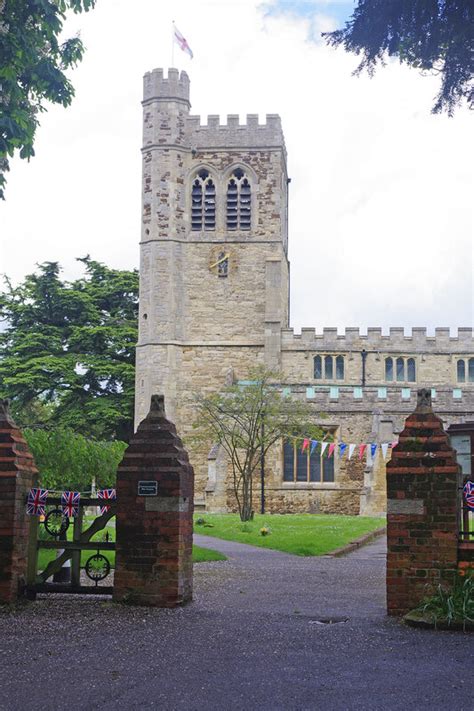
x=363, y=354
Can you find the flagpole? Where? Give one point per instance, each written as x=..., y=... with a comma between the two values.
x=172, y=44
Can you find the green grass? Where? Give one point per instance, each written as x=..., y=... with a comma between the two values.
x=200, y=555
x=300, y=534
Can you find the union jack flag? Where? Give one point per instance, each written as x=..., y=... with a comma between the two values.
x=106, y=494
x=468, y=492
x=70, y=503
x=36, y=502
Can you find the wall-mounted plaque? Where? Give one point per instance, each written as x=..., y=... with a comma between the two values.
x=147, y=488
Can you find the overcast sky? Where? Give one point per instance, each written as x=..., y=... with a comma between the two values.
x=381, y=201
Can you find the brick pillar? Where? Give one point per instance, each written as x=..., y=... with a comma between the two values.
x=17, y=475
x=155, y=484
x=422, y=524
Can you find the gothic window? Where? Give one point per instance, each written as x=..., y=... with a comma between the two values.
x=328, y=369
x=339, y=368
x=332, y=364
x=411, y=370
x=462, y=367
x=318, y=368
x=203, y=199
x=301, y=466
x=400, y=369
x=471, y=370
x=461, y=371
x=239, y=197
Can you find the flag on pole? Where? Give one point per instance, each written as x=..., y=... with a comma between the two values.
x=181, y=41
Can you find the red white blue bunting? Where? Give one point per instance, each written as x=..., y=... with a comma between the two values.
x=36, y=502
x=468, y=492
x=110, y=494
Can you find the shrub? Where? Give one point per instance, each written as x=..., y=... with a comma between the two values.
x=452, y=606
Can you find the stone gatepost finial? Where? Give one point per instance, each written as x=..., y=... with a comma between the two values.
x=157, y=405
x=423, y=403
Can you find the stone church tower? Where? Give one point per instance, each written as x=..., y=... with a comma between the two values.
x=214, y=266
x=214, y=294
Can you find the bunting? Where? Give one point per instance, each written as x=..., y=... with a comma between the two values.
x=36, y=502
x=332, y=447
x=351, y=450
x=110, y=494
x=362, y=448
x=70, y=503
x=370, y=449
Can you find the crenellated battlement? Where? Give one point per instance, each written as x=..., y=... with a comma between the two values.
x=234, y=134
x=396, y=341
x=173, y=87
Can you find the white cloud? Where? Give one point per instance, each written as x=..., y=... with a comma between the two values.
x=381, y=214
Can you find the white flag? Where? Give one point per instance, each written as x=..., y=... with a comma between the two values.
x=351, y=450
x=323, y=447
x=181, y=41
x=384, y=449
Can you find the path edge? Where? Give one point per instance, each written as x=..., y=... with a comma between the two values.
x=358, y=542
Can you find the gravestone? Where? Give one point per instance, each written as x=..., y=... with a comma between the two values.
x=17, y=475
x=155, y=488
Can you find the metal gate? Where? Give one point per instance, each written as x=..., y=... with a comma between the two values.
x=55, y=531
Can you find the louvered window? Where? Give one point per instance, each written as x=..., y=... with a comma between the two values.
x=203, y=197
x=239, y=201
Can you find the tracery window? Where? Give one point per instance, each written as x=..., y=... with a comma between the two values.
x=301, y=466
x=203, y=198
x=332, y=364
x=239, y=197
x=465, y=370
x=405, y=370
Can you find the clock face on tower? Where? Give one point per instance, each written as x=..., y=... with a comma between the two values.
x=221, y=260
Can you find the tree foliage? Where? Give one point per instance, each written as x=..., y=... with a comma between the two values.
x=433, y=35
x=32, y=66
x=67, y=460
x=67, y=356
x=246, y=419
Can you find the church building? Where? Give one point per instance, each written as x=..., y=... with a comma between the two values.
x=214, y=302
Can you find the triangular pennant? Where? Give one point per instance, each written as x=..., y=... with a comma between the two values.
x=342, y=448
x=323, y=447
x=314, y=444
x=305, y=444
x=384, y=448
x=362, y=448
x=373, y=449
x=332, y=447
x=351, y=450
x=393, y=445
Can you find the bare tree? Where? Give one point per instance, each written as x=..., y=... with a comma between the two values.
x=247, y=419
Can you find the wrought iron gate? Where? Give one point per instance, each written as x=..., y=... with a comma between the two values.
x=54, y=536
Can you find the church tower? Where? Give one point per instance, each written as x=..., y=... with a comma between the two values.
x=213, y=266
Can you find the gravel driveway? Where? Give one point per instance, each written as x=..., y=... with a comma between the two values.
x=255, y=637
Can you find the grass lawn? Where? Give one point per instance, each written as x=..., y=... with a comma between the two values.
x=300, y=534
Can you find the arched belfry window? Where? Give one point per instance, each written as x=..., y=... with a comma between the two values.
x=239, y=201
x=203, y=197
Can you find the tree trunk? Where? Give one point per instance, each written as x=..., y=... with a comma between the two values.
x=246, y=513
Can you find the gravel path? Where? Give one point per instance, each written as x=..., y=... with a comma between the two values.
x=252, y=639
